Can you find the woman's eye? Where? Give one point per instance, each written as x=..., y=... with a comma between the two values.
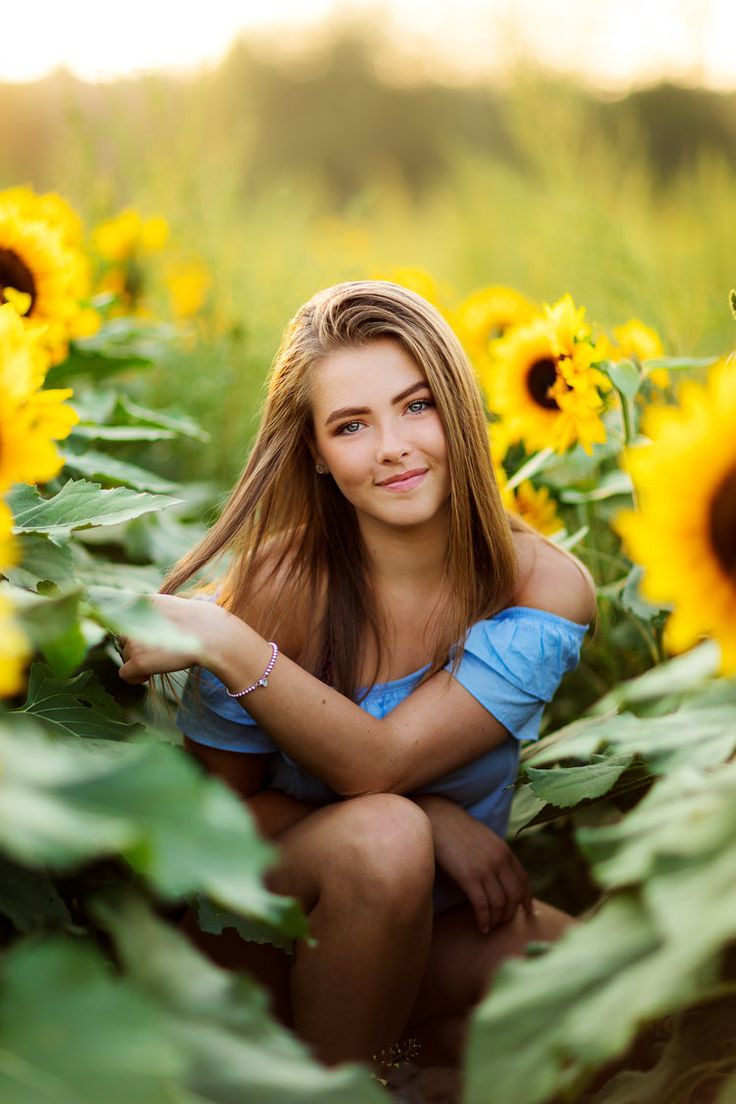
x=420, y=405
x=349, y=428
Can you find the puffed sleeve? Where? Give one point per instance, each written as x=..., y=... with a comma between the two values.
x=514, y=662
x=217, y=720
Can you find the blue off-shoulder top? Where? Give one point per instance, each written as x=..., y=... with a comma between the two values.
x=512, y=664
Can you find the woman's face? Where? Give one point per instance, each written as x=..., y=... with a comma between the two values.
x=379, y=435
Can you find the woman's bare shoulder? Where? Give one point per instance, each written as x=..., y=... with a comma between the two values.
x=552, y=580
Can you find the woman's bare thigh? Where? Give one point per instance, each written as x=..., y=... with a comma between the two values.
x=462, y=961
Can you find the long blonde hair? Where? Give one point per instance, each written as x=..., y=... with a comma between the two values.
x=319, y=555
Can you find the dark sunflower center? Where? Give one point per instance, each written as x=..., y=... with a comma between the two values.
x=723, y=524
x=540, y=377
x=15, y=274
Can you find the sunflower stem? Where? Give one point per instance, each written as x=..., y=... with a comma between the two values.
x=626, y=417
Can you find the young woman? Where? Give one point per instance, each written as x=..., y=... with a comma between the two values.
x=392, y=636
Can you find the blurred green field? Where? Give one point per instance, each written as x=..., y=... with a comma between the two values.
x=286, y=179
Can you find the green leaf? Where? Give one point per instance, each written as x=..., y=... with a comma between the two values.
x=63, y=801
x=91, y=1038
x=120, y=344
x=29, y=899
x=120, y=433
x=676, y=676
x=568, y=786
x=42, y=560
x=135, y=578
x=52, y=624
x=632, y=600
x=701, y=737
x=76, y=707
x=538, y=462
x=39, y=824
x=677, y=364
x=98, y=465
x=194, y=833
x=129, y=614
x=238, y=1054
x=689, y=815
x=611, y=484
x=525, y=807
x=178, y=423
x=78, y=505
x=549, y=1021
x=625, y=377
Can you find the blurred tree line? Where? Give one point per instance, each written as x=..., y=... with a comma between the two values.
x=329, y=116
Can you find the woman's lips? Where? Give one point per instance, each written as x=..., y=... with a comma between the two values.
x=410, y=480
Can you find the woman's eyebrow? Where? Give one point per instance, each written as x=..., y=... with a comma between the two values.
x=349, y=411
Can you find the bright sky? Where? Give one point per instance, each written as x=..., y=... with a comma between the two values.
x=611, y=42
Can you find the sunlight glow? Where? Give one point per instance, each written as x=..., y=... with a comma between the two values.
x=611, y=43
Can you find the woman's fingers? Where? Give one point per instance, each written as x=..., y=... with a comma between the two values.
x=476, y=894
x=497, y=902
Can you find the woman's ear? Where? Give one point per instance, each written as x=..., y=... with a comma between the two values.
x=318, y=461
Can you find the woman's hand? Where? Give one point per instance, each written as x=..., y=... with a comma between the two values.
x=481, y=863
x=190, y=617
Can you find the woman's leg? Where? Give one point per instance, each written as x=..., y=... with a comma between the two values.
x=460, y=966
x=363, y=870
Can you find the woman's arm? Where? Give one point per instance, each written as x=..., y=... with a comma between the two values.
x=437, y=728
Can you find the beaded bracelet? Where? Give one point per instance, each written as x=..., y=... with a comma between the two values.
x=263, y=680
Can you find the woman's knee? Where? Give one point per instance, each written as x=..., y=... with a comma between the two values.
x=386, y=849
x=378, y=847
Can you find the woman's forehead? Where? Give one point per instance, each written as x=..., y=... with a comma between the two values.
x=378, y=370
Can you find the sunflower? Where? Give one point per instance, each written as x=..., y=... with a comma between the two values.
x=684, y=533
x=42, y=276
x=187, y=283
x=30, y=419
x=50, y=208
x=488, y=314
x=536, y=506
x=543, y=383
x=127, y=236
x=419, y=281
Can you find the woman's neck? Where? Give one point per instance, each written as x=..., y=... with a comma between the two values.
x=406, y=559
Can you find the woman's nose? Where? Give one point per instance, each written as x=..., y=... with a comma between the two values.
x=391, y=443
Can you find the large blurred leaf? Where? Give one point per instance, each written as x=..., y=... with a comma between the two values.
x=77, y=505
x=677, y=676
x=52, y=624
x=161, y=538
x=63, y=801
x=133, y=578
x=179, y=423
x=73, y=1033
x=76, y=707
x=697, y=736
x=120, y=344
x=608, y=486
x=39, y=824
x=29, y=899
x=98, y=465
x=624, y=376
x=42, y=560
x=126, y=613
x=549, y=1021
x=120, y=433
x=690, y=815
x=194, y=833
x=238, y=1054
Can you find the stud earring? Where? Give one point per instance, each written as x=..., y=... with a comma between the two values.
x=320, y=469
